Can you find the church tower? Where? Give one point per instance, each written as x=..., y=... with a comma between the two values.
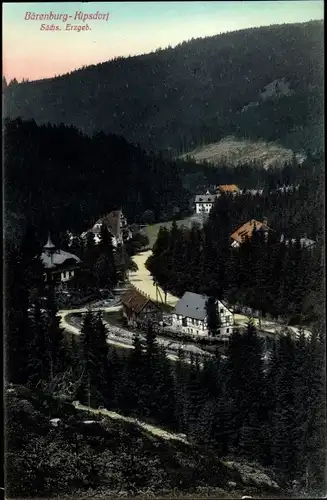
x=49, y=247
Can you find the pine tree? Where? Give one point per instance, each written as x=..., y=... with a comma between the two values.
x=234, y=374
x=133, y=395
x=315, y=470
x=90, y=240
x=196, y=399
x=181, y=396
x=269, y=405
x=159, y=381
x=283, y=419
x=213, y=318
x=203, y=431
x=91, y=390
x=301, y=398
x=18, y=328
x=162, y=242
x=54, y=337
x=37, y=354
x=117, y=374
x=105, y=266
x=104, y=369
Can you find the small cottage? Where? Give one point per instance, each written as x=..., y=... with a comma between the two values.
x=139, y=310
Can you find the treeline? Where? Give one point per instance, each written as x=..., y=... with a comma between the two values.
x=61, y=179
x=66, y=181
x=179, y=98
x=197, y=177
x=279, y=278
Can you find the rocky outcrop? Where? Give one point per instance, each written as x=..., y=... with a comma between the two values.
x=252, y=475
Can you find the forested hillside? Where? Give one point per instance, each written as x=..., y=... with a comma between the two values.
x=57, y=177
x=198, y=92
x=86, y=456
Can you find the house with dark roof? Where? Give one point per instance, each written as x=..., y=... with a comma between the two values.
x=139, y=310
x=59, y=266
x=204, y=202
x=190, y=316
x=117, y=225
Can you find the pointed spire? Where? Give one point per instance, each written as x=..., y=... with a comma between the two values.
x=49, y=246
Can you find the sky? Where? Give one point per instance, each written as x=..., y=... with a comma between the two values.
x=132, y=28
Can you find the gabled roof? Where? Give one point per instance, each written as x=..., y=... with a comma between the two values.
x=59, y=258
x=193, y=305
x=228, y=188
x=246, y=230
x=136, y=301
x=205, y=198
x=112, y=222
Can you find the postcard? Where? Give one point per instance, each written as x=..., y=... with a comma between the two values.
x=164, y=326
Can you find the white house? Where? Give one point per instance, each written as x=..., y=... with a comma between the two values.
x=190, y=316
x=304, y=242
x=204, y=202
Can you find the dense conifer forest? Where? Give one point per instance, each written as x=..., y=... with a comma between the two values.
x=279, y=278
x=270, y=411
x=178, y=98
x=57, y=177
x=60, y=179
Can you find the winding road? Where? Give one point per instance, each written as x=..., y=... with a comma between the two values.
x=143, y=281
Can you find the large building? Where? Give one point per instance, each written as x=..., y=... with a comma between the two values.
x=190, y=316
x=117, y=226
x=304, y=242
x=204, y=202
x=228, y=189
x=246, y=230
x=60, y=266
x=139, y=310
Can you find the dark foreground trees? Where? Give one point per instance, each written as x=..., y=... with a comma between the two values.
x=272, y=413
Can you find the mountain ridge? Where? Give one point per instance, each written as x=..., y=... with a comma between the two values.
x=176, y=98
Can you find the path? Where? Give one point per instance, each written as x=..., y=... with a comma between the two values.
x=143, y=281
x=121, y=337
x=156, y=431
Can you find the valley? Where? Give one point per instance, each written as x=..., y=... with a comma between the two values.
x=164, y=255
